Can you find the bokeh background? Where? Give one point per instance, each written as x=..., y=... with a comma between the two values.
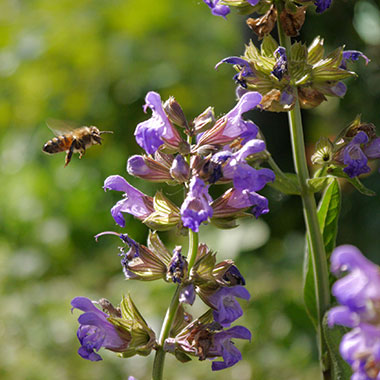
x=93, y=62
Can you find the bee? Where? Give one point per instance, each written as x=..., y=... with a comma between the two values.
x=71, y=140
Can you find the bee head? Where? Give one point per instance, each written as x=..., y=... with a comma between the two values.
x=95, y=134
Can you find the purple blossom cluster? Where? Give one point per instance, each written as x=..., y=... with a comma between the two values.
x=219, y=156
x=358, y=294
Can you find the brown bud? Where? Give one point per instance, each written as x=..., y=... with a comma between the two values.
x=368, y=128
x=310, y=97
x=271, y=102
x=263, y=25
x=292, y=21
x=175, y=113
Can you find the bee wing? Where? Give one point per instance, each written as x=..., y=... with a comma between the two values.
x=61, y=127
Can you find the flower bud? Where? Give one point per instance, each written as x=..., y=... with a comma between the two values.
x=204, y=121
x=175, y=113
x=177, y=269
x=147, y=168
x=180, y=170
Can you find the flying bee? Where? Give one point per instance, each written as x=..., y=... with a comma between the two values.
x=71, y=140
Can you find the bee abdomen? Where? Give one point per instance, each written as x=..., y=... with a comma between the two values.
x=56, y=145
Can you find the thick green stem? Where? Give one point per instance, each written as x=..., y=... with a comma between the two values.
x=159, y=359
x=317, y=249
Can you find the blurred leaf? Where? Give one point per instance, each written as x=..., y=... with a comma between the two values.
x=340, y=370
x=328, y=215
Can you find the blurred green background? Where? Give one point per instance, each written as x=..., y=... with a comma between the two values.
x=93, y=62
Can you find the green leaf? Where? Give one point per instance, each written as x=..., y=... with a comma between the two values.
x=340, y=370
x=287, y=183
x=328, y=214
x=318, y=183
x=268, y=46
x=338, y=172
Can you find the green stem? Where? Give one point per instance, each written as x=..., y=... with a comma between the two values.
x=159, y=359
x=317, y=248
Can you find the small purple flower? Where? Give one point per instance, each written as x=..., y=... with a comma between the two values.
x=180, y=169
x=233, y=276
x=196, y=207
x=187, y=294
x=158, y=130
x=227, y=309
x=217, y=9
x=354, y=157
x=147, y=168
x=322, y=5
x=281, y=66
x=359, y=290
x=135, y=202
x=222, y=346
x=95, y=331
x=352, y=55
x=339, y=89
x=232, y=125
x=361, y=349
x=245, y=72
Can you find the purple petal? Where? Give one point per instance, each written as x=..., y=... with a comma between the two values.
x=281, y=66
x=322, y=5
x=187, y=294
x=352, y=55
x=372, y=150
x=86, y=305
x=339, y=89
x=217, y=9
x=342, y=315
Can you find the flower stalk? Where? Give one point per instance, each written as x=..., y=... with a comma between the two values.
x=159, y=360
x=313, y=232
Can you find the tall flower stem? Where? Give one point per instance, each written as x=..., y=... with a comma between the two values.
x=316, y=244
x=159, y=360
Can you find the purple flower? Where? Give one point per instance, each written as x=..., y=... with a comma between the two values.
x=281, y=66
x=180, y=169
x=361, y=349
x=232, y=125
x=222, y=346
x=196, y=207
x=245, y=72
x=226, y=308
x=95, y=331
x=359, y=290
x=135, y=202
x=217, y=9
x=354, y=157
x=158, y=130
x=187, y=294
x=322, y=5
x=147, y=168
x=352, y=55
x=339, y=89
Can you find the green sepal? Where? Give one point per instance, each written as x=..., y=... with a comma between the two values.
x=338, y=172
x=316, y=51
x=181, y=356
x=286, y=183
x=268, y=46
x=339, y=368
x=318, y=183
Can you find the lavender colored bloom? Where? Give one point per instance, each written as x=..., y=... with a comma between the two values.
x=156, y=131
x=352, y=55
x=196, y=207
x=217, y=9
x=95, y=331
x=222, y=346
x=232, y=125
x=359, y=289
x=147, y=168
x=322, y=5
x=233, y=276
x=187, y=294
x=227, y=309
x=361, y=349
x=339, y=89
x=245, y=72
x=354, y=157
x=135, y=202
x=281, y=66
x=180, y=169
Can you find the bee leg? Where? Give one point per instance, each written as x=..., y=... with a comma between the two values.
x=69, y=154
